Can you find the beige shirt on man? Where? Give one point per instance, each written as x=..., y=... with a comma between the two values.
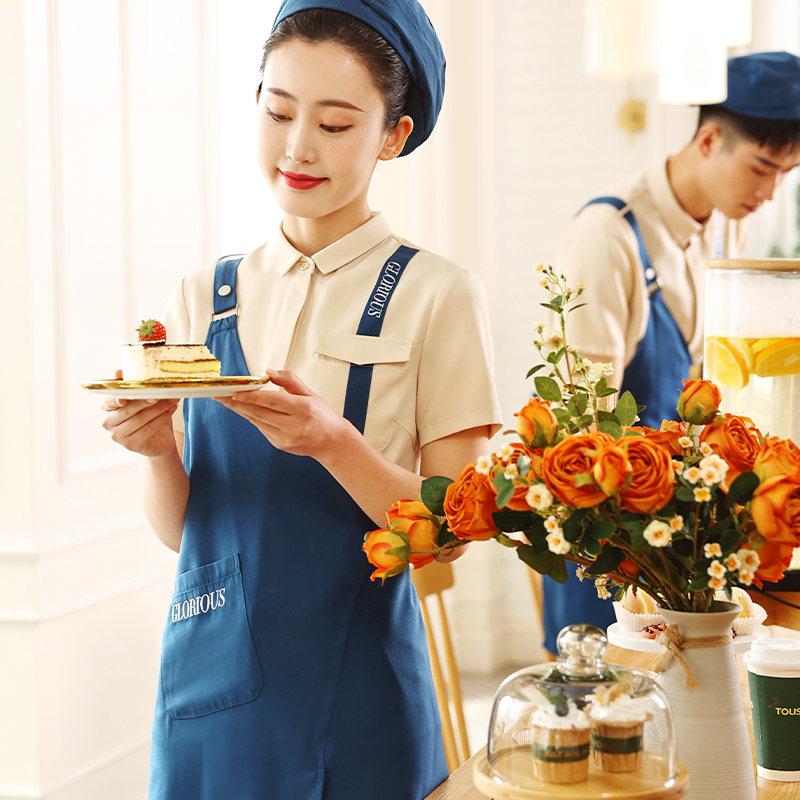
x=601, y=251
x=433, y=373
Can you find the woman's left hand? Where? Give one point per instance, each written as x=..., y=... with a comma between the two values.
x=296, y=420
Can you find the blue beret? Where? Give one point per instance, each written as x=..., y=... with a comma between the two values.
x=764, y=85
x=404, y=24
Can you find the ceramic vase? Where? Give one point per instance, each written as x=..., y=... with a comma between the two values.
x=710, y=725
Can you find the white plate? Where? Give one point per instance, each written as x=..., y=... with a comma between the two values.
x=633, y=640
x=168, y=388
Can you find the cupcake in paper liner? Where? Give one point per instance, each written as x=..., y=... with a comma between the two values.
x=617, y=732
x=636, y=611
x=559, y=737
x=751, y=615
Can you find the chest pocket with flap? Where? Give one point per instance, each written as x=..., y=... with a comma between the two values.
x=334, y=355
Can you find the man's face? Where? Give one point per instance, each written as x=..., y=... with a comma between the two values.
x=743, y=176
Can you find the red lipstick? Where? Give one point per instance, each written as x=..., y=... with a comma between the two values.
x=298, y=181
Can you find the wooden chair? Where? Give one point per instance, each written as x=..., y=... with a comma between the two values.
x=430, y=581
x=783, y=608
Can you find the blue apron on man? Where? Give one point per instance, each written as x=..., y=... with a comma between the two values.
x=655, y=378
x=286, y=673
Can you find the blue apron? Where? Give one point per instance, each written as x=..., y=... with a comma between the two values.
x=655, y=377
x=286, y=673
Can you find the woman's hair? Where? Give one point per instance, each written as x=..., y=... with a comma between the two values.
x=389, y=72
x=777, y=134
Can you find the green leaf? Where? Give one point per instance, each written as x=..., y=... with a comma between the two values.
x=683, y=547
x=582, y=479
x=562, y=415
x=432, y=493
x=445, y=536
x=558, y=570
x=630, y=521
x=504, y=492
x=580, y=305
x=685, y=494
x=552, y=306
x=626, y=409
x=395, y=571
x=554, y=357
x=548, y=389
x=582, y=400
x=730, y=539
x=601, y=385
x=609, y=559
x=512, y=521
x=742, y=488
x=602, y=529
x=699, y=583
x=607, y=392
x=591, y=548
x=638, y=542
x=403, y=553
x=607, y=416
x=541, y=562
x=572, y=407
x=620, y=594
x=573, y=527
x=584, y=421
x=611, y=428
x=506, y=541
x=534, y=370
x=632, y=433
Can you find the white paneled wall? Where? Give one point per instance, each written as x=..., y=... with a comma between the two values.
x=109, y=107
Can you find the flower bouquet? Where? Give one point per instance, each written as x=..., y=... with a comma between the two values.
x=679, y=512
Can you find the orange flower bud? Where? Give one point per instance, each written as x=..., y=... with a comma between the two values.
x=699, y=402
x=612, y=470
x=386, y=550
x=411, y=517
x=537, y=426
x=668, y=435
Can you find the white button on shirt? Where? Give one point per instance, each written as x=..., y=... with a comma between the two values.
x=433, y=373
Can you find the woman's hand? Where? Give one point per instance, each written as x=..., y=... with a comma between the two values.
x=141, y=426
x=296, y=420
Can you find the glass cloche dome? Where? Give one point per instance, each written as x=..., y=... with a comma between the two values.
x=582, y=728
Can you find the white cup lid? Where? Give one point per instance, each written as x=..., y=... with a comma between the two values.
x=774, y=653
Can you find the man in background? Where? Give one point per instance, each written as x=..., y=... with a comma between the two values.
x=640, y=249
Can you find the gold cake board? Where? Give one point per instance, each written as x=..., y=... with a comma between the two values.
x=650, y=782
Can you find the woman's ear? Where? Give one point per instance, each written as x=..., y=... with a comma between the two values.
x=396, y=140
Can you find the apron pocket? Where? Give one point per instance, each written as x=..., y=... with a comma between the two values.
x=208, y=659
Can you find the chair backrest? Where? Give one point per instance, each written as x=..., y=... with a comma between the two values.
x=430, y=581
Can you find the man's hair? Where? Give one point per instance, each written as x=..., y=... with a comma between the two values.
x=776, y=134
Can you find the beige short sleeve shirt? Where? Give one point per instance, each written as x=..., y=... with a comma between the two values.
x=601, y=251
x=433, y=373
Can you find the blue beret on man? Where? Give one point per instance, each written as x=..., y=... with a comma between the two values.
x=764, y=85
x=405, y=25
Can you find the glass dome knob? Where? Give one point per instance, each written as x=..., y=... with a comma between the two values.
x=581, y=648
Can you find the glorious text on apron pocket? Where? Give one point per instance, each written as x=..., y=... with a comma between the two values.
x=208, y=660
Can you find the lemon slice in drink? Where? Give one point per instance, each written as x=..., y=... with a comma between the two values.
x=780, y=358
x=762, y=344
x=729, y=362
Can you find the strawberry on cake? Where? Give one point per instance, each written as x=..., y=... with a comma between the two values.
x=153, y=359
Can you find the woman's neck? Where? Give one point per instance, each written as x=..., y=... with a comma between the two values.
x=309, y=236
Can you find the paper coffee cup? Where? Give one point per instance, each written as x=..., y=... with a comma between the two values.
x=773, y=673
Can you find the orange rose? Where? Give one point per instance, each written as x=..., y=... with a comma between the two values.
x=387, y=551
x=518, y=501
x=537, y=426
x=737, y=440
x=774, y=560
x=668, y=435
x=777, y=457
x=653, y=479
x=612, y=470
x=571, y=457
x=699, y=402
x=776, y=509
x=469, y=505
x=629, y=568
x=410, y=516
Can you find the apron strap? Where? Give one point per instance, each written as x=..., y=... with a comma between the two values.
x=654, y=283
x=359, y=379
x=225, y=284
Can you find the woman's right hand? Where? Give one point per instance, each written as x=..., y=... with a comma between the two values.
x=141, y=426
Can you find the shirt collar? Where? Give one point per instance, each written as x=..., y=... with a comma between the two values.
x=283, y=256
x=678, y=223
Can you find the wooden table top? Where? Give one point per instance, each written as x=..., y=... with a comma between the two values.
x=459, y=785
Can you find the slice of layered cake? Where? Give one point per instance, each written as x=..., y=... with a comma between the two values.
x=153, y=358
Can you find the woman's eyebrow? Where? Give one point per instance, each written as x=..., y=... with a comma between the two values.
x=326, y=103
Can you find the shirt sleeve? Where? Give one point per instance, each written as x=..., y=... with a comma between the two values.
x=177, y=322
x=600, y=251
x=455, y=384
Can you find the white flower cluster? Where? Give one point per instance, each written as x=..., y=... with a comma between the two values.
x=539, y=497
x=597, y=370
x=710, y=471
x=556, y=542
x=745, y=562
